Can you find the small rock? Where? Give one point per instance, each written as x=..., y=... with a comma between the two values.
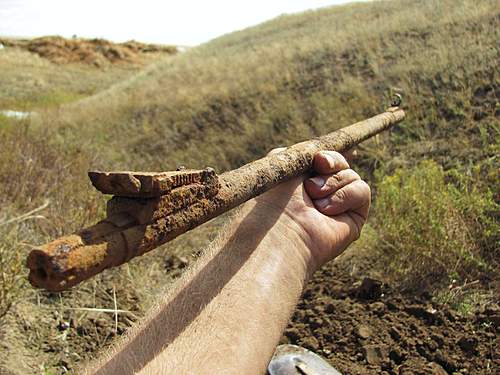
x=370, y=289
x=293, y=336
x=316, y=323
x=430, y=315
x=397, y=355
x=395, y=334
x=438, y=339
x=468, y=344
x=378, y=308
x=363, y=332
x=329, y=308
x=63, y=326
x=436, y=369
x=375, y=354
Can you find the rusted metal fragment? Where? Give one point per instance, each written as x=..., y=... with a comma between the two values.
x=146, y=210
x=69, y=260
x=147, y=184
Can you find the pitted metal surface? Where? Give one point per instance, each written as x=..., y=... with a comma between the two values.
x=150, y=209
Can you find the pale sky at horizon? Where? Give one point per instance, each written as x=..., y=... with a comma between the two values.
x=188, y=22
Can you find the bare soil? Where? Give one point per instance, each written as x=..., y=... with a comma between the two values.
x=362, y=326
x=358, y=323
x=97, y=52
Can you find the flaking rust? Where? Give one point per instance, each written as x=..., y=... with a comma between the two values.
x=146, y=210
x=147, y=184
x=123, y=234
x=149, y=209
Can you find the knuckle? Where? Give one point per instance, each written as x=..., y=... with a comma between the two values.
x=363, y=186
x=341, y=194
x=354, y=175
x=349, y=175
x=368, y=190
x=334, y=180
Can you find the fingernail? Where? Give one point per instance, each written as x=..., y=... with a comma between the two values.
x=322, y=203
x=318, y=181
x=331, y=160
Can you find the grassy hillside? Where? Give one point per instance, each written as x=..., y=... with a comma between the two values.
x=435, y=176
x=46, y=72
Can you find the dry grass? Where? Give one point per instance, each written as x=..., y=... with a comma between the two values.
x=32, y=82
x=230, y=101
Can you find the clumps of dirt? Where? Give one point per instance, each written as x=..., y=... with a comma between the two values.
x=97, y=52
x=365, y=327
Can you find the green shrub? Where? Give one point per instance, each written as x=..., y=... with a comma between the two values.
x=427, y=232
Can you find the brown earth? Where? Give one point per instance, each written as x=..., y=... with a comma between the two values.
x=358, y=323
x=98, y=52
x=362, y=326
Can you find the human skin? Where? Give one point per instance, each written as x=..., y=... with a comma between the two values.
x=227, y=313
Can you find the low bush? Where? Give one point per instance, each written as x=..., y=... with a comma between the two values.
x=430, y=230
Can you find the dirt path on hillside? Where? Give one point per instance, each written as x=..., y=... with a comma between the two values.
x=363, y=327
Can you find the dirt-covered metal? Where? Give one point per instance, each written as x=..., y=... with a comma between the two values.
x=134, y=227
x=147, y=184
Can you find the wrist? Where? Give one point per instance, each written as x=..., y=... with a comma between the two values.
x=286, y=234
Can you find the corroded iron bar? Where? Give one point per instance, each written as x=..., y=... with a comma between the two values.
x=120, y=237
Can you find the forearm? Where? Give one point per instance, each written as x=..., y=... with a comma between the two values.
x=227, y=314
x=238, y=330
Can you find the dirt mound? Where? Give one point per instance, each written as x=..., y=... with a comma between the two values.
x=96, y=52
x=363, y=327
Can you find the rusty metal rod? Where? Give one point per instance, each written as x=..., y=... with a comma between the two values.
x=71, y=259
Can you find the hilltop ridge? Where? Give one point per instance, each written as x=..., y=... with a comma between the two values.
x=97, y=52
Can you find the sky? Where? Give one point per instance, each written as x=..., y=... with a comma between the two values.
x=180, y=22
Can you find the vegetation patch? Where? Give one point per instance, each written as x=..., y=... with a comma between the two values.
x=428, y=228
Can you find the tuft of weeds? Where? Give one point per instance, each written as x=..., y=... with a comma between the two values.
x=430, y=231
x=11, y=260
x=13, y=255
x=465, y=298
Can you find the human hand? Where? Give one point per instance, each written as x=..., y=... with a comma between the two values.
x=328, y=210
